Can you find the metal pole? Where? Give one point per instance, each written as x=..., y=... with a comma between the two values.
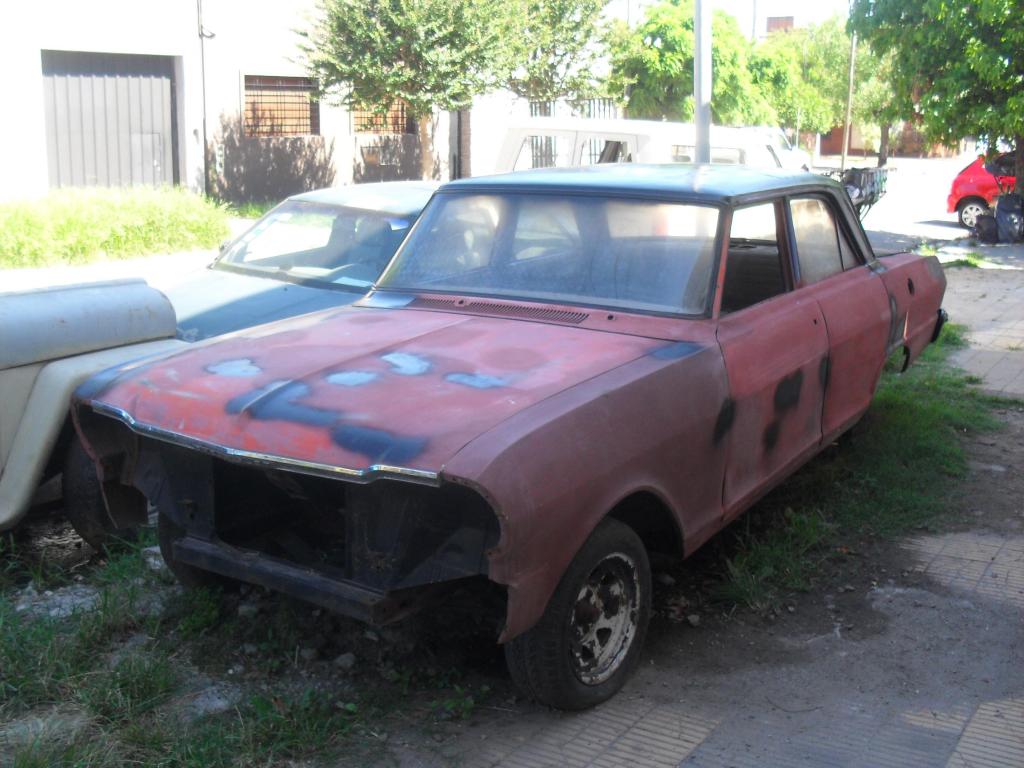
x=202, y=77
x=849, y=102
x=702, y=80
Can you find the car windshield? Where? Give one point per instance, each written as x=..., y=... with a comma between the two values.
x=598, y=251
x=343, y=247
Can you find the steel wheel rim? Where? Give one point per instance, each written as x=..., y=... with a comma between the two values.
x=970, y=214
x=604, y=619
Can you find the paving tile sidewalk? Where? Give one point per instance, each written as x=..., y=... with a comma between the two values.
x=990, y=302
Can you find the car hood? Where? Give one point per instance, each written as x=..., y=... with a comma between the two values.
x=217, y=301
x=359, y=389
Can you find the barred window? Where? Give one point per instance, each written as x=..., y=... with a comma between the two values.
x=396, y=119
x=281, y=106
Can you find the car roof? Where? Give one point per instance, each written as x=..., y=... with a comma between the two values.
x=709, y=182
x=398, y=197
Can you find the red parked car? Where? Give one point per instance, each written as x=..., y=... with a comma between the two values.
x=976, y=187
x=560, y=374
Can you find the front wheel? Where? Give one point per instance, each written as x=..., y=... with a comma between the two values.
x=589, y=639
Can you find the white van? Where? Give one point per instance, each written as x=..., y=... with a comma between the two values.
x=554, y=142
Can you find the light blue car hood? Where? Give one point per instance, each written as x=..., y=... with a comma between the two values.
x=216, y=301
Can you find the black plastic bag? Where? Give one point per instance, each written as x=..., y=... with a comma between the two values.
x=985, y=229
x=1009, y=217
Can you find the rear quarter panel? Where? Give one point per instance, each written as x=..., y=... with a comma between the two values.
x=915, y=286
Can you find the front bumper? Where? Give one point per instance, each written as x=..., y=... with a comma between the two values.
x=341, y=596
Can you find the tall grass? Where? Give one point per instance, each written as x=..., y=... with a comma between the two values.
x=75, y=226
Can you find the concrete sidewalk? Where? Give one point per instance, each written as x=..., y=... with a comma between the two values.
x=990, y=302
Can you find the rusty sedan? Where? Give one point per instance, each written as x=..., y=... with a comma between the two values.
x=560, y=374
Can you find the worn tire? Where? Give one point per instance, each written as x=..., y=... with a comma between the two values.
x=545, y=662
x=167, y=532
x=83, y=500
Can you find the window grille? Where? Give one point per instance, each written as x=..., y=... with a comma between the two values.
x=397, y=119
x=281, y=106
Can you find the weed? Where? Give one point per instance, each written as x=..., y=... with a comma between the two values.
x=970, y=261
x=199, y=610
x=71, y=226
x=459, y=705
x=280, y=725
x=252, y=209
x=138, y=683
x=81, y=750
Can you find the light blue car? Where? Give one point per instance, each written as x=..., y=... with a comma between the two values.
x=313, y=251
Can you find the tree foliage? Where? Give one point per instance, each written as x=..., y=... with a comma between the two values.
x=652, y=68
x=803, y=74
x=429, y=54
x=558, y=50
x=959, y=61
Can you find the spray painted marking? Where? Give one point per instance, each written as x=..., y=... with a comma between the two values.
x=243, y=368
x=277, y=402
x=351, y=378
x=477, y=380
x=406, y=364
x=378, y=445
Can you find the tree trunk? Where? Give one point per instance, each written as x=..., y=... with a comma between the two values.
x=883, y=146
x=1018, y=164
x=426, y=148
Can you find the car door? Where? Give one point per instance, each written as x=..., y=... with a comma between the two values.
x=773, y=340
x=854, y=303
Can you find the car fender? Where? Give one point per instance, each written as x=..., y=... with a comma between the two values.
x=45, y=411
x=555, y=470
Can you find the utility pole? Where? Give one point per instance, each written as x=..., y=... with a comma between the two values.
x=702, y=80
x=849, y=102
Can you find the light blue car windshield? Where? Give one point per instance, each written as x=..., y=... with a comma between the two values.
x=345, y=247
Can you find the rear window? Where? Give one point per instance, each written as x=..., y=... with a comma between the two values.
x=589, y=250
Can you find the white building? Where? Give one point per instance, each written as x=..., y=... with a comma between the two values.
x=111, y=93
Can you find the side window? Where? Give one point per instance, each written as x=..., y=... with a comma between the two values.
x=753, y=268
x=544, y=152
x=596, y=151
x=817, y=244
x=847, y=252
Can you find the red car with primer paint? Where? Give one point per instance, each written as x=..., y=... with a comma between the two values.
x=560, y=374
x=977, y=186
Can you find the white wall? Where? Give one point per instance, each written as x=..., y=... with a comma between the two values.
x=252, y=37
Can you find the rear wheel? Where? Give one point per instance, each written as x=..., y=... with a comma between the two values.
x=589, y=639
x=969, y=210
x=83, y=500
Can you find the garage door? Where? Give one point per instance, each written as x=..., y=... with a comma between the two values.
x=109, y=119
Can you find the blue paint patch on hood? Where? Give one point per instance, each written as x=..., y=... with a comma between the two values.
x=216, y=301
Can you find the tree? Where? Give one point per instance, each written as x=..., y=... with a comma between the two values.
x=559, y=50
x=960, y=63
x=652, y=68
x=802, y=73
x=429, y=54
x=876, y=100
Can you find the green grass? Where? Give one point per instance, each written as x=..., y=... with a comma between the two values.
x=894, y=474
x=78, y=226
x=970, y=261
x=252, y=210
